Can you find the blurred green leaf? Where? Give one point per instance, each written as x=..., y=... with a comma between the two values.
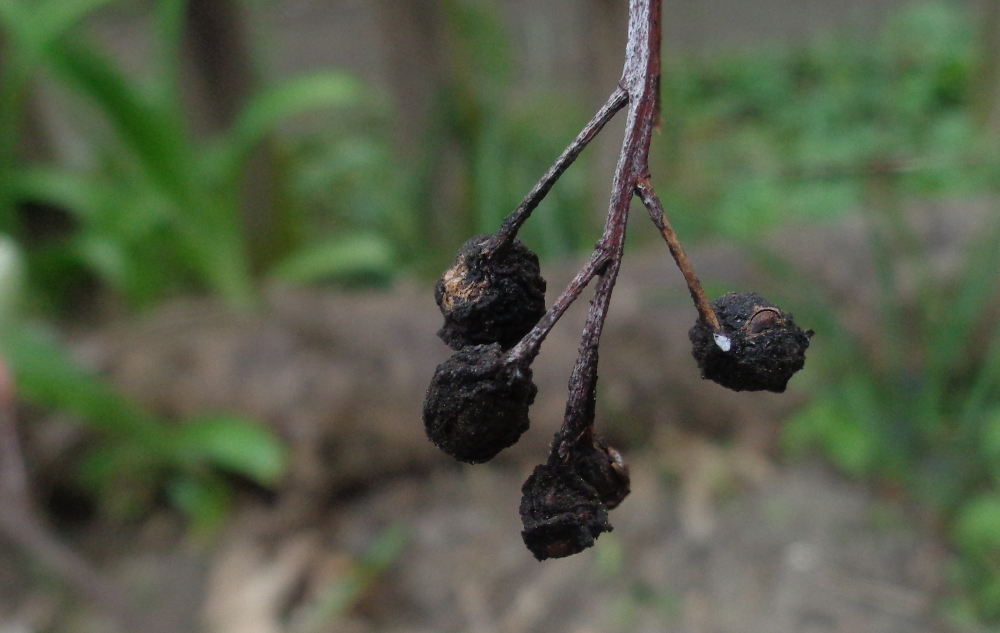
x=825, y=422
x=275, y=105
x=750, y=129
x=203, y=218
x=340, y=257
x=11, y=284
x=977, y=526
x=168, y=26
x=233, y=443
x=74, y=192
x=484, y=55
x=52, y=18
x=46, y=375
x=204, y=498
x=36, y=24
x=154, y=134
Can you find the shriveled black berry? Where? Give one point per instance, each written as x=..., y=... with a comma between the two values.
x=562, y=514
x=494, y=299
x=603, y=468
x=476, y=406
x=759, y=348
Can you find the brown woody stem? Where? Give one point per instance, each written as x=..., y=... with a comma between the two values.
x=526, y=350
x=511, y=224
x=641, y=80
x=649, y=198
x=640, y=89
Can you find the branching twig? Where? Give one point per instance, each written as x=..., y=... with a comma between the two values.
x=526, y=350
x=641, y=79
x=513, y=222
x=639, y=88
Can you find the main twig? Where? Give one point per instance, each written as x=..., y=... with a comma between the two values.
x=641, y=80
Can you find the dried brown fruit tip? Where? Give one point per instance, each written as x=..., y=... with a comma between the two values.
x=759, y=348
x=477, y=405
x=561, y=513
x=490, y=297
x=603, y=468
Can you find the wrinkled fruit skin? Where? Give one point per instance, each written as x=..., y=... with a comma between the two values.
x=475, y=406
x=603, y=468
x=495, y=300
x=562, y=514
x=766, y=347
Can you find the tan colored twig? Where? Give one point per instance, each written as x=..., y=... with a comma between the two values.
x=647, y=194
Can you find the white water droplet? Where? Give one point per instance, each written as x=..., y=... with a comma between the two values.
x=723, y=342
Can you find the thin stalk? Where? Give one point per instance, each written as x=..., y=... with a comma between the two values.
x=659, y=218
x=526, y=350
x=511, y=224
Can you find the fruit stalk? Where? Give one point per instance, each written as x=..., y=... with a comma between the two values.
x=649, y=198
x=511, y=224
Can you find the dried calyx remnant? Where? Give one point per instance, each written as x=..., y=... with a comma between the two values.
x=493, y=302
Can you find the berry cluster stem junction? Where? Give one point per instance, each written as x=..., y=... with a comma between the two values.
x=639, y=89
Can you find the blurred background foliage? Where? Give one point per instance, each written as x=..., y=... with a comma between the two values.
x=843, y=126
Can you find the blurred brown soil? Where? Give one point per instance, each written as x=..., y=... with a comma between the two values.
x=718, y=534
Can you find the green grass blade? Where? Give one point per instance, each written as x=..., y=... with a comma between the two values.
x=270, y=107
x=206, y=219
x=155, y=135
x=358, y=254
x=77, y=194
x=46, y=375
x=168, y=26
x=54, y=18
x=233, y=443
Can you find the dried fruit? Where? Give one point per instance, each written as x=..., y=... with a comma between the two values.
x=490, y=298
x=477, y=405
x=561, y=513
x=604, y=469
x=758, y=349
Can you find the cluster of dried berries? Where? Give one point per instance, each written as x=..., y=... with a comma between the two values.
x=493, y=302
x=477, y=404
